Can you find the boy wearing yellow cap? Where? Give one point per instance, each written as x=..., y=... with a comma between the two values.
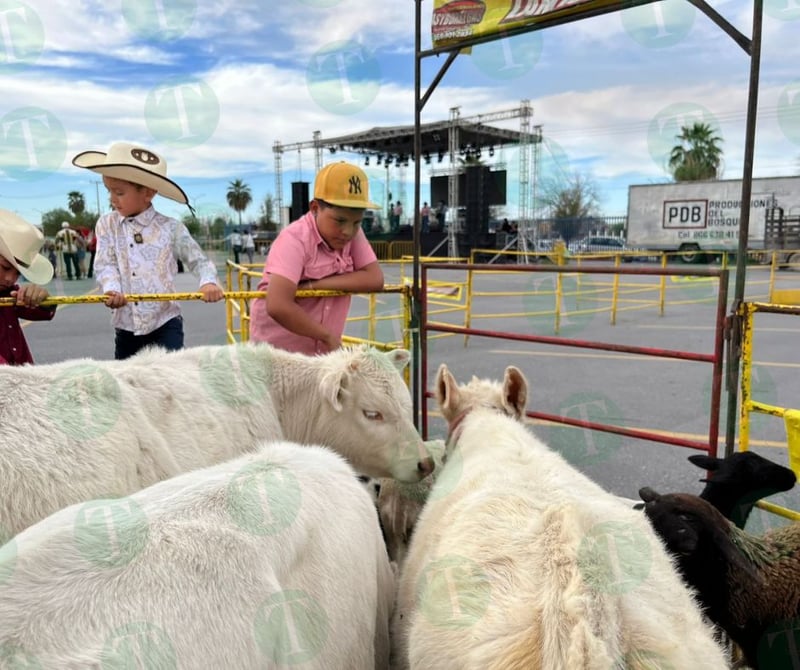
x=323, y=249
x=20, y=243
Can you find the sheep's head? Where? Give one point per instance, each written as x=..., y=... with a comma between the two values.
x=675, y=517
x=702, y=539
x=738, y=481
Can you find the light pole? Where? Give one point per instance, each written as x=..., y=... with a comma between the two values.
x=97, y=183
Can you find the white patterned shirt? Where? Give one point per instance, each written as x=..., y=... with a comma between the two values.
x=137, y=255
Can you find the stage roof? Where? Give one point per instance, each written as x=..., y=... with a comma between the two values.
x=398, y=141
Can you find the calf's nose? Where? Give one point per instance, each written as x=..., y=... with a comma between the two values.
x=426, y=466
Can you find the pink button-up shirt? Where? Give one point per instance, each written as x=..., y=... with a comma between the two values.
x=300, y=254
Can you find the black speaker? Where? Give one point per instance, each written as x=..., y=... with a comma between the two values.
x=476, y=198
x=299, y=204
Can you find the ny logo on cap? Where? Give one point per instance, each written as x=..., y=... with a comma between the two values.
x=355, y=184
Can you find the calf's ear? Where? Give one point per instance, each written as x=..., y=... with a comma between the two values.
x=515, y=391
x=399, y=358
x=446, y=389
x=332, y=388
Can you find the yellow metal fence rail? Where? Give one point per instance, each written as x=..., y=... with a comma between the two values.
x=790, y=416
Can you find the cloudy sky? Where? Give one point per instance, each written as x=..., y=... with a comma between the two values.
x=213, y=85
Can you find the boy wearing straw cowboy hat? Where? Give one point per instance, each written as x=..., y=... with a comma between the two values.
x=324, y=249
x=138, y=248
x=20, y=243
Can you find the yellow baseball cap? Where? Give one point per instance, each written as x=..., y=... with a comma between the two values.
x=343, y=184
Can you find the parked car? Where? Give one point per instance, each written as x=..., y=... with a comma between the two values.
x=595, y=244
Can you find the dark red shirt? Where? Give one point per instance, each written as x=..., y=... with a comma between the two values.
x=13, y=347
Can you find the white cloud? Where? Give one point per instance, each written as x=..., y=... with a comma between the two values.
x=594, y=90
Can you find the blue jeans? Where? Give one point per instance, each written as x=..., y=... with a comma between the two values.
x=169, y=336
x=70, y=262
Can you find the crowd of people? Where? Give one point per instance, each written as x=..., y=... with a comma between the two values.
x=135, y=250
x=69, y=250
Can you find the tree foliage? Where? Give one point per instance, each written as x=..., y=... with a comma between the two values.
x=238, y=197
x=267, y=219
x=193, y=225
x=570, y=200
x=80, y=217
x=698, y=156
x=76, y=202
x=51, y=220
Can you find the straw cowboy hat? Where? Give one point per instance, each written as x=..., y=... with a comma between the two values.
x=133, y=163
x=20, y=243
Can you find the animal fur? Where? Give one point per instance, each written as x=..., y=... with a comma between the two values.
x=509, y=567
x=747, y=585
x=85, y=429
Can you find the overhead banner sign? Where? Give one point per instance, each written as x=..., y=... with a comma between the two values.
x=456, y=21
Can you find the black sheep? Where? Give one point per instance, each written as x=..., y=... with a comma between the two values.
x=740, y=480
x=749, y=586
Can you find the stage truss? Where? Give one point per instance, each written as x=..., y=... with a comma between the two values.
x=454, y=138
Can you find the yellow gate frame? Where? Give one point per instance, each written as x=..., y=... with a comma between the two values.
x=791, y=417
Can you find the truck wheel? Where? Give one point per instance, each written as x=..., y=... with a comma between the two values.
x=690, y=253
x=793, y=262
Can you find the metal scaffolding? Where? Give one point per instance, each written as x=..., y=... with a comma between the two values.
x=459, y=132
x=524, y=221
x=452, y=184
x=526, y=140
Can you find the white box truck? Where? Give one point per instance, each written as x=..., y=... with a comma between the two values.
x=695, y=218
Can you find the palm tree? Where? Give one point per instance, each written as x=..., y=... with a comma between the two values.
x=76, y=202
x=698, y=156
x=239, y=197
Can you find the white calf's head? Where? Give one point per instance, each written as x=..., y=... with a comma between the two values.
x=509, y=398
x=374, y=428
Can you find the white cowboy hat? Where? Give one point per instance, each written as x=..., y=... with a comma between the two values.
x=19, y=245
x=133, y=163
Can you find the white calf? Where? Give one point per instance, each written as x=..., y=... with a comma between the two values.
x=399, y=503
x=86, y=429
x=519, y=561
x=272, y=560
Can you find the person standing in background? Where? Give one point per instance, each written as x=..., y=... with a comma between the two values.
x=249, y=246
x=66, y=240
x=91, y=247
x=236, y=244
x=441, y=213
x=50, y=249
x=425, y=217
x=80, y=246
x=398, y=215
